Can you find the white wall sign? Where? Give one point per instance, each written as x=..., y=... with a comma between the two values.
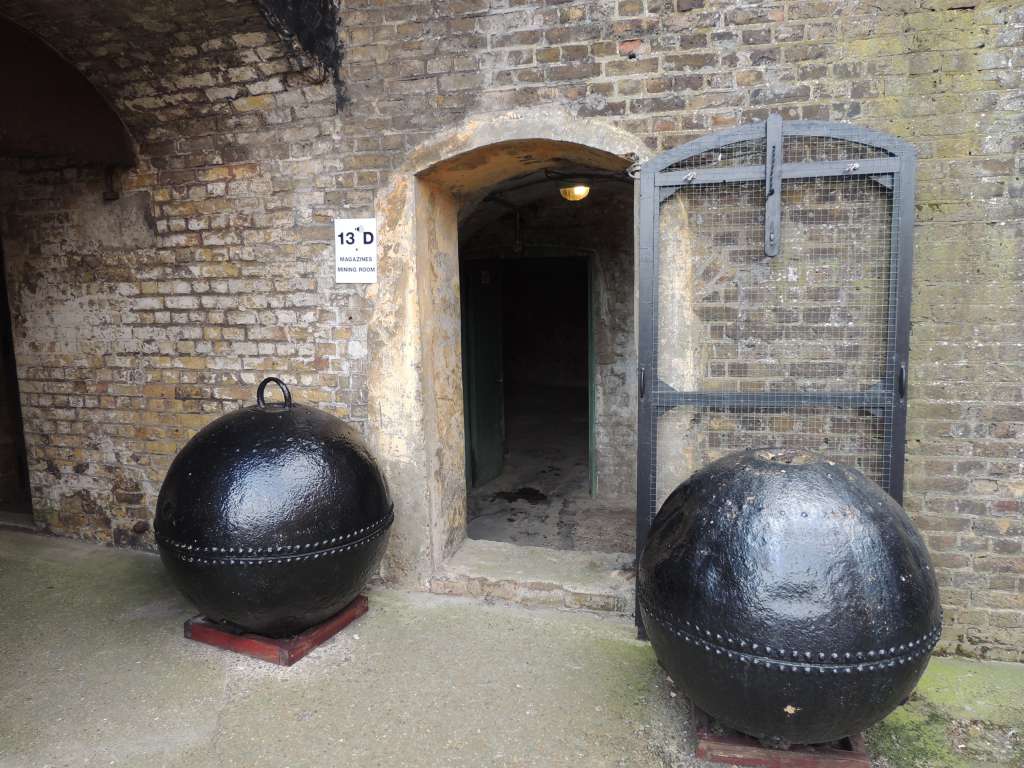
x=355, y=250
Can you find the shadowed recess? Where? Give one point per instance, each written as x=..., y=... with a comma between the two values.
x=55, y=110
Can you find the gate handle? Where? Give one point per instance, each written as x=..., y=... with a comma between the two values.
x=283, y=387
x=643, y=381
x=902, y=383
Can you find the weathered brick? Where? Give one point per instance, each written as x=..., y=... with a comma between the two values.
x=244, y=158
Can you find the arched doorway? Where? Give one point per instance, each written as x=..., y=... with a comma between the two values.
x=415, y=392
x=546, y=288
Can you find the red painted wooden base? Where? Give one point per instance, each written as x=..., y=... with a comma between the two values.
x=733, y=748
x=277, y=650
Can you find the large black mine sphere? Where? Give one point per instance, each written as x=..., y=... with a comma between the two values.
x=273, y=517
x=788, y=596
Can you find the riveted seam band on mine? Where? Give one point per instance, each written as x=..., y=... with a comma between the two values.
x=823, y=663
x=275, y=559
x=285, y=553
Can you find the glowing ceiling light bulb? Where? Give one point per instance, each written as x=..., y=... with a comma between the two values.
x=574, y=190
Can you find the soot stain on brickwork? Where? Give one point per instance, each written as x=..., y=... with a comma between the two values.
x=313, y=24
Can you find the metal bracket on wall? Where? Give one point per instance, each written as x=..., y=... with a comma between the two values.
x=111, y=184
x=772, y=184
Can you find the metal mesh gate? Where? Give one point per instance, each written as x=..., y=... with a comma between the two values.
x=774, y=300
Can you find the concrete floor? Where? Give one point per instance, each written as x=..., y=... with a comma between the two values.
x=542, y=497
x=96, y=672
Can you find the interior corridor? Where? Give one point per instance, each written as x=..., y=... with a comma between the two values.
x=542, y=498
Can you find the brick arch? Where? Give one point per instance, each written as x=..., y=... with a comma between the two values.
x=55, y=110
x=415, y=373
x=170, y=67
x=212, y=94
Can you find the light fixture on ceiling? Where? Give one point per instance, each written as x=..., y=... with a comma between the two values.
x=574, y=190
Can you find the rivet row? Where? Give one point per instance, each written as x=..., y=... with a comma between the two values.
x=194, y=547
x=276, y=559
x=778, y=658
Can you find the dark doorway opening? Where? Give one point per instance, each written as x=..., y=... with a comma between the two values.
x=527, y=329
x=547, y=373
x=15, y=495
x=546, y=289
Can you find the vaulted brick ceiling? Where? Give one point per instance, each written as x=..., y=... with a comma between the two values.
x=137, y=51
x=53, y=109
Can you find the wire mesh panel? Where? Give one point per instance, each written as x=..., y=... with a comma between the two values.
x=802, y=349
x=710, y=275
x=817, y=148
x=738, y=154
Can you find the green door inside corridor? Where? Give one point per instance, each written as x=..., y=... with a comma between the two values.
x=482, y=370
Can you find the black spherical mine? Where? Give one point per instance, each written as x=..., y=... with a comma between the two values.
x=789, y=597
x=273, y=517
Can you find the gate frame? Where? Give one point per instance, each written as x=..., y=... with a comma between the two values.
x=655, y=184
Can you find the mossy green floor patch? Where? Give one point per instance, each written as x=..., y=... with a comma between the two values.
x=963, y=714
x=991, y=691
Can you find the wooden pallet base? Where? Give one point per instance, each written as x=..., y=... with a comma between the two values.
x=277, y=650
x=733, y=748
